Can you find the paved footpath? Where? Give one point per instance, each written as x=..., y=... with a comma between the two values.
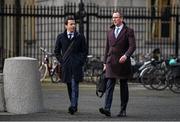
x=144, y=105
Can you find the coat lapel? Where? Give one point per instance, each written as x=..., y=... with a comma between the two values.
x=112, y=37
x=121, y=33
x=116, y=40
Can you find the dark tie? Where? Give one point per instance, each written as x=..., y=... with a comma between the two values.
x=70, y=36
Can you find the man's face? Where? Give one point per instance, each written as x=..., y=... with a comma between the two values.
x=117, y=19
x=71, y=26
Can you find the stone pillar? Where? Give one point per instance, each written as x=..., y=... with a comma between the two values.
x=22, y=88
x=1, y=93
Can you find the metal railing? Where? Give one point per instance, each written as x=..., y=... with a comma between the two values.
x=25, y=28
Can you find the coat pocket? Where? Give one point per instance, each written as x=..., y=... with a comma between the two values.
x=121, y=69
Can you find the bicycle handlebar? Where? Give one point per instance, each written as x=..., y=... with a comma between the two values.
x=46, y=52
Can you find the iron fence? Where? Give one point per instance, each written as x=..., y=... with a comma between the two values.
x=24, y=29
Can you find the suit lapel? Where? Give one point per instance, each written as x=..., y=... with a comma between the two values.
x=121, y=33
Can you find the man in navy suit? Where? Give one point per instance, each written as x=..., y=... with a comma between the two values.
x=120, y=45
x=73, y=60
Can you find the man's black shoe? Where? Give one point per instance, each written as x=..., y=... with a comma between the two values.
x=122, y=113
x=72, y=110
x=104, y=111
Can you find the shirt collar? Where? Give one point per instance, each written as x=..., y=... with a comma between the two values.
x=70, y=33
x=120, y=27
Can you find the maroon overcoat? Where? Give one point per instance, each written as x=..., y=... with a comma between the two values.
x=124, y=44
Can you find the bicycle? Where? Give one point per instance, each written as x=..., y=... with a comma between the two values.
x=161, y=75
x=153, y=74
x=146, y=62
x=93, y=68
x=47, y=69
x=137, y=68
x=173, y=78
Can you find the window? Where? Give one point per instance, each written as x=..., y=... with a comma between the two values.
x=162, y=22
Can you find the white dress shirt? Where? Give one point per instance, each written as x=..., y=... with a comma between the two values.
x=70, y=33
x=118, y=30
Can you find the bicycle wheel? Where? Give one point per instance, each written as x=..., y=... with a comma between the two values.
x=55, y=74
x=55, y=77
x=88, y=75
x=146, y=77
x=96, y=73
x=97, y=67
x=43, y=71
x=159, y=83
x=87, y=72
x=175, y=85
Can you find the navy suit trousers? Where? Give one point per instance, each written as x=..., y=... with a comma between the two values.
x=124, y=93
x=73, y=92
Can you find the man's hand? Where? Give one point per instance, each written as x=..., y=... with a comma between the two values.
x=123, y=59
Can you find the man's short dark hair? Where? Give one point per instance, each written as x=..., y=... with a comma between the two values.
x=68, y=18
x=120, y=13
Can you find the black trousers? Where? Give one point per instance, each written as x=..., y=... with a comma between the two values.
x=124, y=92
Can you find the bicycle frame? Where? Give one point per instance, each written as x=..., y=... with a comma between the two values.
x=49, y=69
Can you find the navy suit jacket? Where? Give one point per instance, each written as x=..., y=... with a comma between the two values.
x=75, y=60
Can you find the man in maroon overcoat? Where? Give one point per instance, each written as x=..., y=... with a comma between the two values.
x=120, y=46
